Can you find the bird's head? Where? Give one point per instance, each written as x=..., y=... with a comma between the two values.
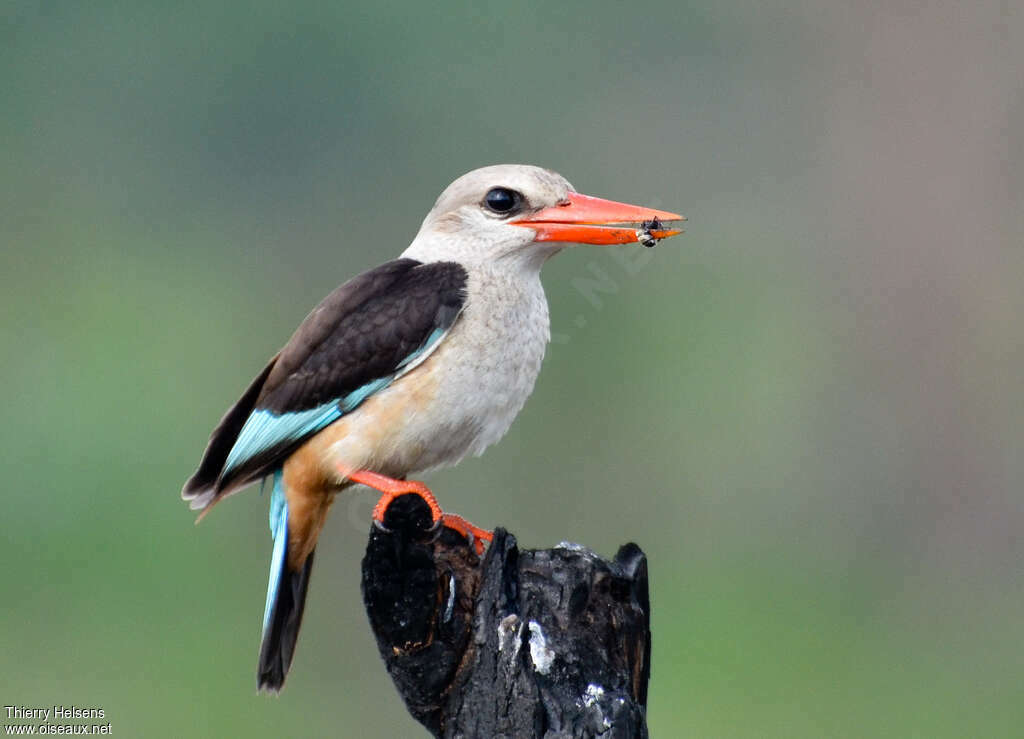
x=524, y=214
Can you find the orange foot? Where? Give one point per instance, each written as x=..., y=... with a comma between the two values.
x=392, y=488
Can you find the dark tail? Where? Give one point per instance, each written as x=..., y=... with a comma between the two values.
x=286, y=599
x=283, y=630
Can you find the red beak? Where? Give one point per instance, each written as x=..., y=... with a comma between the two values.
x=583, y=219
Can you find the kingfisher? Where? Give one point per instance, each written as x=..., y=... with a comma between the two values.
x=408, y=367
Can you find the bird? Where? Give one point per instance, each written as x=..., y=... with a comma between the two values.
x=408, y=367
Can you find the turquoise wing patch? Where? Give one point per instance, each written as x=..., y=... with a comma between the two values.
x=264, y=430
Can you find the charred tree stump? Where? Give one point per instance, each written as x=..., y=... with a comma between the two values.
x=544, y=643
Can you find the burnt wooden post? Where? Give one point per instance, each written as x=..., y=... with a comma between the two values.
x=544, y=643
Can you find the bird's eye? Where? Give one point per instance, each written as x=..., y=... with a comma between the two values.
x=502, y=200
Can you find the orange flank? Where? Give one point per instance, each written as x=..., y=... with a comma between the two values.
x=309, y=494
x=380, y=434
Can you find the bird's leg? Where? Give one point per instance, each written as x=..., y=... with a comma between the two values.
x=475, y=535
x=392, y=488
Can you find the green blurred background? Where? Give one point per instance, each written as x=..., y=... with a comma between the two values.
x=807, y=409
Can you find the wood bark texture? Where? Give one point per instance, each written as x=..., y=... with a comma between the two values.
x=537, y=643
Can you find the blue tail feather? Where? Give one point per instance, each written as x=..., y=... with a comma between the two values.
x=279, y=530
x=286, y=598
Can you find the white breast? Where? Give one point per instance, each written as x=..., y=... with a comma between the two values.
x=492, y=360
x=464, y=397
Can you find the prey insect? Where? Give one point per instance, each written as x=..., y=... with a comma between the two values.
x=644, y=235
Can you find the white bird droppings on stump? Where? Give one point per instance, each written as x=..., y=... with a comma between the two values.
x=541, y=654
